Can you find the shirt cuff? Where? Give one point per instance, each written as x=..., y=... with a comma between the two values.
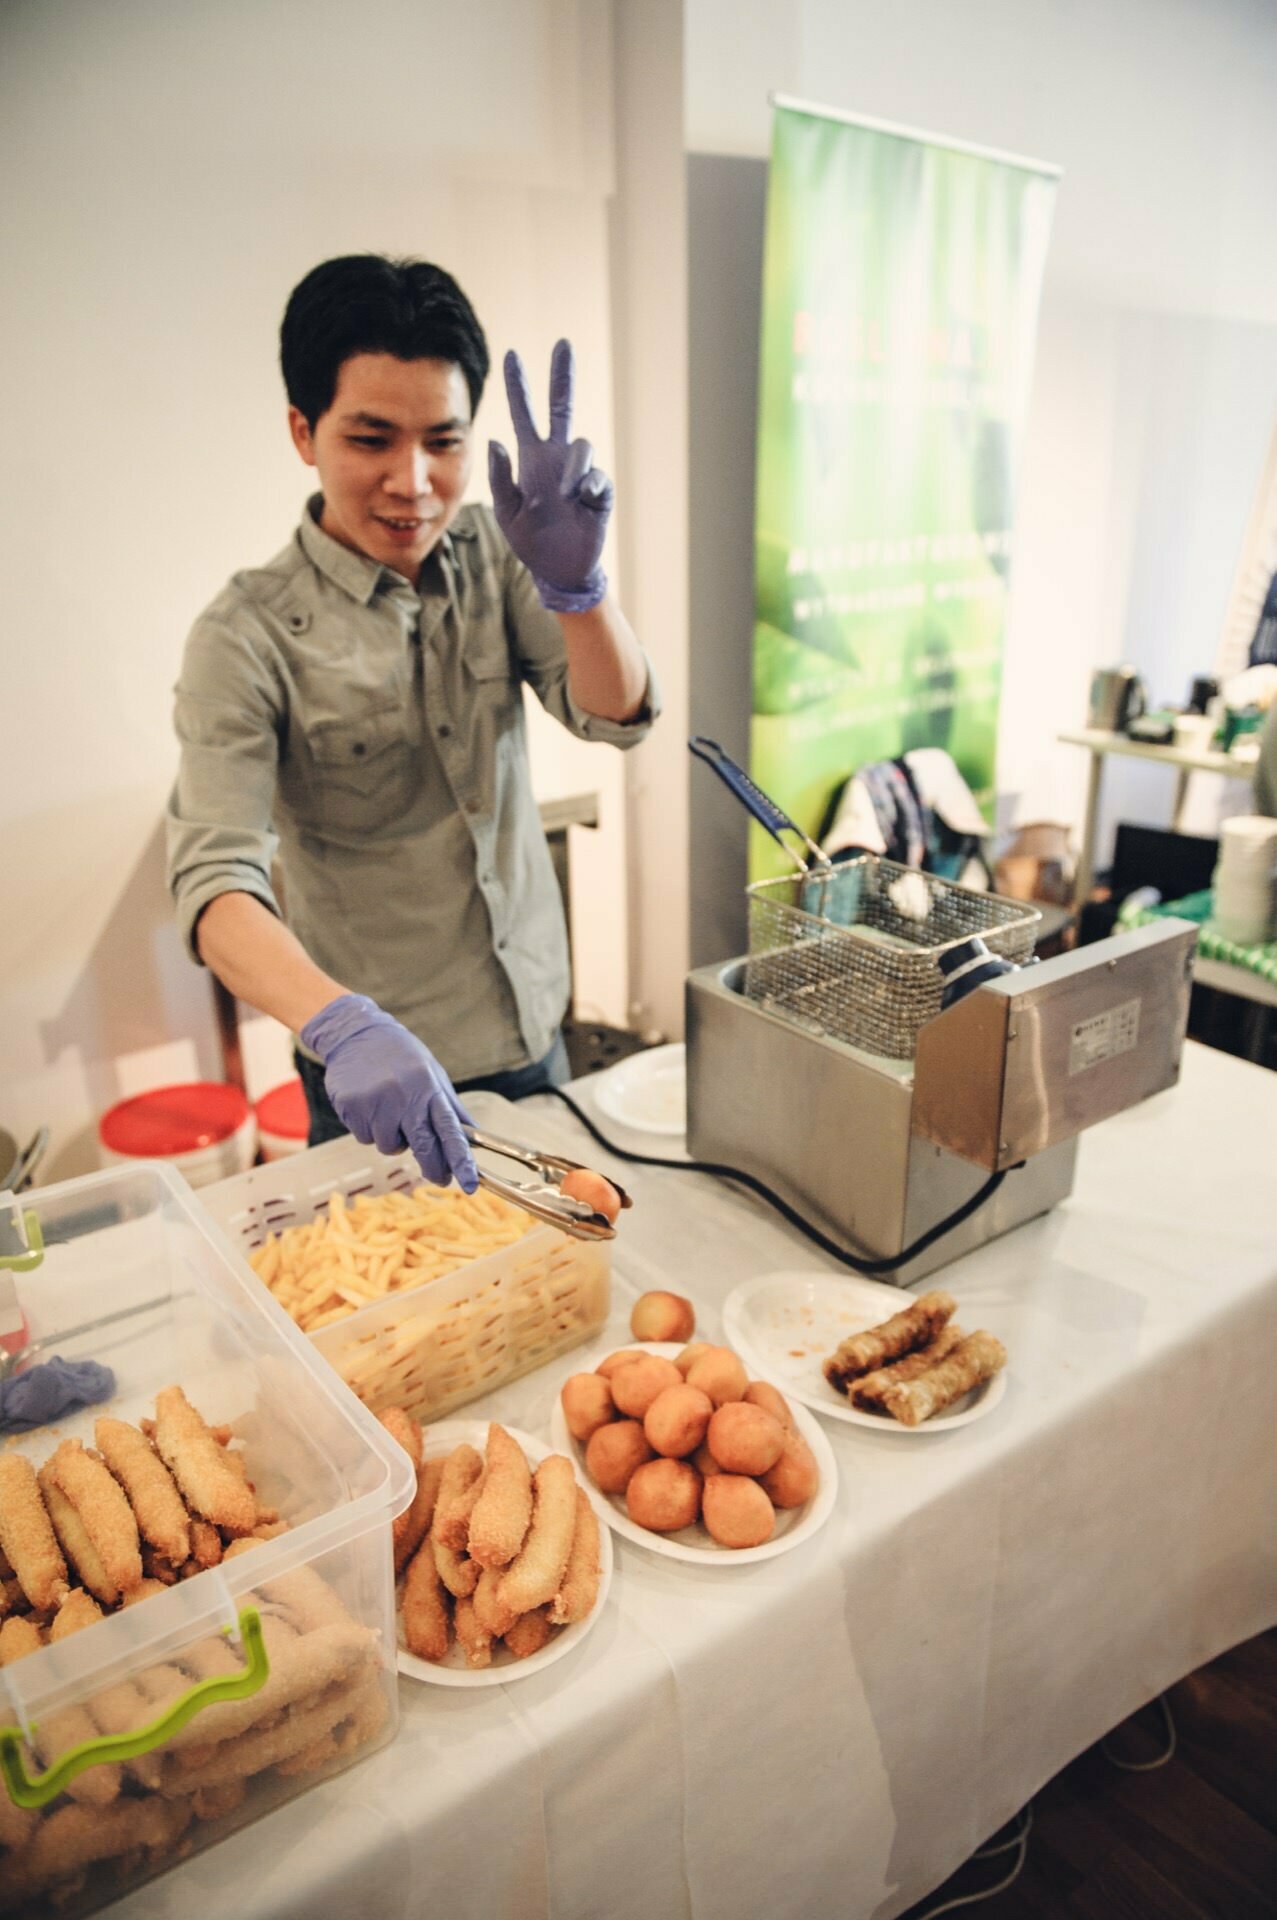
x=617, y=733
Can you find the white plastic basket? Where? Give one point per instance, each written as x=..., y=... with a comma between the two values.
x=433, y=1347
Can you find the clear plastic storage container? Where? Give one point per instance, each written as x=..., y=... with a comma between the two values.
x=170, y=1722
x=432, y=1347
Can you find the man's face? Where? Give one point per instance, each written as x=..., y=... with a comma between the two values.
x=393, y=456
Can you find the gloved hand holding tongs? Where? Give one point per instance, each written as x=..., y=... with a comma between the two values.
x=569, y=1196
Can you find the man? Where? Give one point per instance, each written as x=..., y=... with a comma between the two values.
x=355, y=708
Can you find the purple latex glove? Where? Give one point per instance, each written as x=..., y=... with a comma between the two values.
x=555, y=515
x=390, y=1090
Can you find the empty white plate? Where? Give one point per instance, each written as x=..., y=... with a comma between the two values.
x=648, y=1090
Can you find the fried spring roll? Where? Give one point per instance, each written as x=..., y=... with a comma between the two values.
x=866, y=1392
x=72, y=1838
x=915, y=1326
x=973, y=1360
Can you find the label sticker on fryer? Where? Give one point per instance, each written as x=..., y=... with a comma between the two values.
x=1104, y=1036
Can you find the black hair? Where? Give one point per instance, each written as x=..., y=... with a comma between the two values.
x=367, y=303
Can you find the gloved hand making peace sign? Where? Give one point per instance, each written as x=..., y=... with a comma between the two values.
x=556, y=513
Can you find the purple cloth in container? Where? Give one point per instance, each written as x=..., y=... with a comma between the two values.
x=48, y=1390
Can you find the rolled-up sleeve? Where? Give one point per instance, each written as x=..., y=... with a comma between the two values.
x=227, y=713
x=543, y=662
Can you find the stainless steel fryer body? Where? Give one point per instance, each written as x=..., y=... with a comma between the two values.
x=830, y=1129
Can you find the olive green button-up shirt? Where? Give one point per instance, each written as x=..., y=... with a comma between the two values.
x=370, y=737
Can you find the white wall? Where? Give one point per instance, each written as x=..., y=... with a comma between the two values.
x=1156, y=382
x=170, y=172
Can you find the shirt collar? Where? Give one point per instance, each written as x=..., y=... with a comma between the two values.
x=354, y=572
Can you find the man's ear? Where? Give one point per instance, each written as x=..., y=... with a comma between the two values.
x=303, y=438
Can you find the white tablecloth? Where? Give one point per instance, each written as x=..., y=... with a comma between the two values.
x=836, y=1729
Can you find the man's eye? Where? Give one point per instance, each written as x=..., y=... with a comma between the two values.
x=450, y=445
x=366, y=440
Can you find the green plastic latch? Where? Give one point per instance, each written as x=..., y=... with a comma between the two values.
x=29, y=1261
x=28, y=1791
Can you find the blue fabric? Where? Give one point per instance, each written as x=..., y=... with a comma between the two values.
x=51, y=1388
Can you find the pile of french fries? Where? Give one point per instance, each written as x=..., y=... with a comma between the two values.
x=359, y=1251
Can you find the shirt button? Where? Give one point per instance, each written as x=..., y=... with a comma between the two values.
x=444, y=731
x=502, y=944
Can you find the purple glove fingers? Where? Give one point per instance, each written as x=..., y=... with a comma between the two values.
x=595, y=492
x=507, y=494
x=516, y=388
x=562, y=382
x=452, y=1141
x=578, y=463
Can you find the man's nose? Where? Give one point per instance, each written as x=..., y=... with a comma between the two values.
x=410, y=473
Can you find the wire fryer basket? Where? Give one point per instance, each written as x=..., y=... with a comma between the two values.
x=849, y=951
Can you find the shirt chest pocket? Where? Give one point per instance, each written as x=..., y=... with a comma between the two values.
x=365, y=772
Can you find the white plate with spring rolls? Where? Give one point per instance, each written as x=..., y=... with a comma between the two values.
x=452, y=1670
x=786, y=1325
x=694, y=1543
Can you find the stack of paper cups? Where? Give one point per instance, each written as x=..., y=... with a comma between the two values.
x=1244, y=879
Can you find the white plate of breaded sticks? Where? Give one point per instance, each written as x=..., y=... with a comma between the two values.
x=906, y=1364
x=470, y=1655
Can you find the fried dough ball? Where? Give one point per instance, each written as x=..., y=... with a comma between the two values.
x=795, y=1477
x=635, y=1385
x=761, y=1393
x=677, y=1420
x=704, y=1462
x=744, y=1439
x=613, y=1453
x=684, y=1360
x=620, y=1358
x=720, y=1374
x=587, y=1404
x=591, y=1188
x=664, y=1495
x=662, y=1316
x=736, y=1511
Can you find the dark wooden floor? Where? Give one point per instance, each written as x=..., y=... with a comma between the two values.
x=1196, y=1840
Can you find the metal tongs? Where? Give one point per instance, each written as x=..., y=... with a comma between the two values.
x=545, y=1201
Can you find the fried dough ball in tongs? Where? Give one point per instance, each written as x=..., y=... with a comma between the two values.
x=567, y=1195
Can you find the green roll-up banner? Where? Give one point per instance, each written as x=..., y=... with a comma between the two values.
x=901, y=278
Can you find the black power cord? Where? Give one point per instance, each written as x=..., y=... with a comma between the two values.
x=867, y=1267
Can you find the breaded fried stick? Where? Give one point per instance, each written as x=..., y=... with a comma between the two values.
x=529, y=1634
x=26, y=1534
x=866, y=1392
x=209, y=1484
x=579, y=1587
x=410, y=1528
x=504, y=1507
x=535, y=1575
x=402, y=1427
x=103, y=1511
x=157, y=1505
x=916, y=1326
x=57, y=1732
x=973, y=1360
x=459, y=1488
x=474, y=1640
x=425, y=1607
